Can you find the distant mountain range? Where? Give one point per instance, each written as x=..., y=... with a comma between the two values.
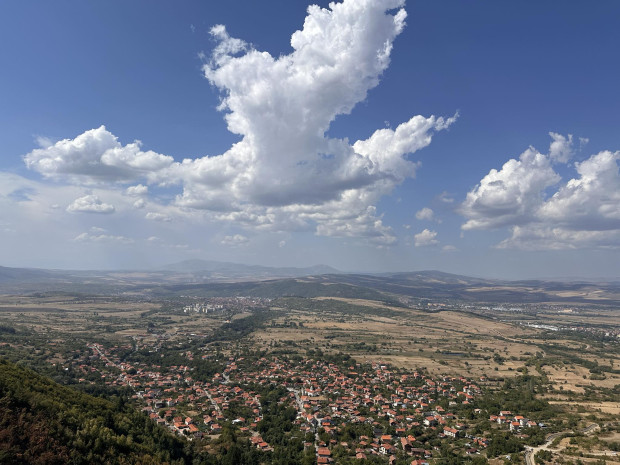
x=186, y=272
x=255, y=270
x=212, y=278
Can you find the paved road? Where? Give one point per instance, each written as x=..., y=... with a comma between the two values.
x=301, y=411
x=531, y=451
x=300, y=404
x=217, y=407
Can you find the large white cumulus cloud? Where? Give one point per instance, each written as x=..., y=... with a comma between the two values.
x=591, y=200
x=284, y=173
x=582, y=212
x=511, y=195
x=96, y=156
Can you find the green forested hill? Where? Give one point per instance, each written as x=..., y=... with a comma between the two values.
x=42, y=422
x=45, y=423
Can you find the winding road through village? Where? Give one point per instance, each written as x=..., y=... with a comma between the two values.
x=530, y=452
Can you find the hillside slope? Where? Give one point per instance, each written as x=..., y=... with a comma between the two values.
x=42, y=422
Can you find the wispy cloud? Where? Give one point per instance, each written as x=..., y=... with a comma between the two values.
x=101, y=235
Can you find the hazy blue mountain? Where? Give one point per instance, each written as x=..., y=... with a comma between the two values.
x=11, y=275
x=227, y=267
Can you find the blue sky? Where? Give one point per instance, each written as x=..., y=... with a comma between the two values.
x=340, y=151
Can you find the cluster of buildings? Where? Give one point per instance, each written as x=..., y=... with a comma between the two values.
x=610, y=332
x=391, y=412
x=515, y=422
x=229, y=304
x=390, y=405
x=202, y=308
x=174, y=399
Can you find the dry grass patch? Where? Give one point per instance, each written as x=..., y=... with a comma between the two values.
x=612, y=408
x=572, y=379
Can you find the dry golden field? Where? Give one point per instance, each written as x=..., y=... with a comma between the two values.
x=447, y=342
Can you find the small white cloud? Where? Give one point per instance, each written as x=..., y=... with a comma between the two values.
x=95, y=235
x=561, y=149
x=155, y=216
x=445, y=197
x=90, y=204
x=140, y=203
x=235, y=241
x=137, y=190
x=425, y=214
x=425, y=238
x=281, y=243
x=449, y=248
